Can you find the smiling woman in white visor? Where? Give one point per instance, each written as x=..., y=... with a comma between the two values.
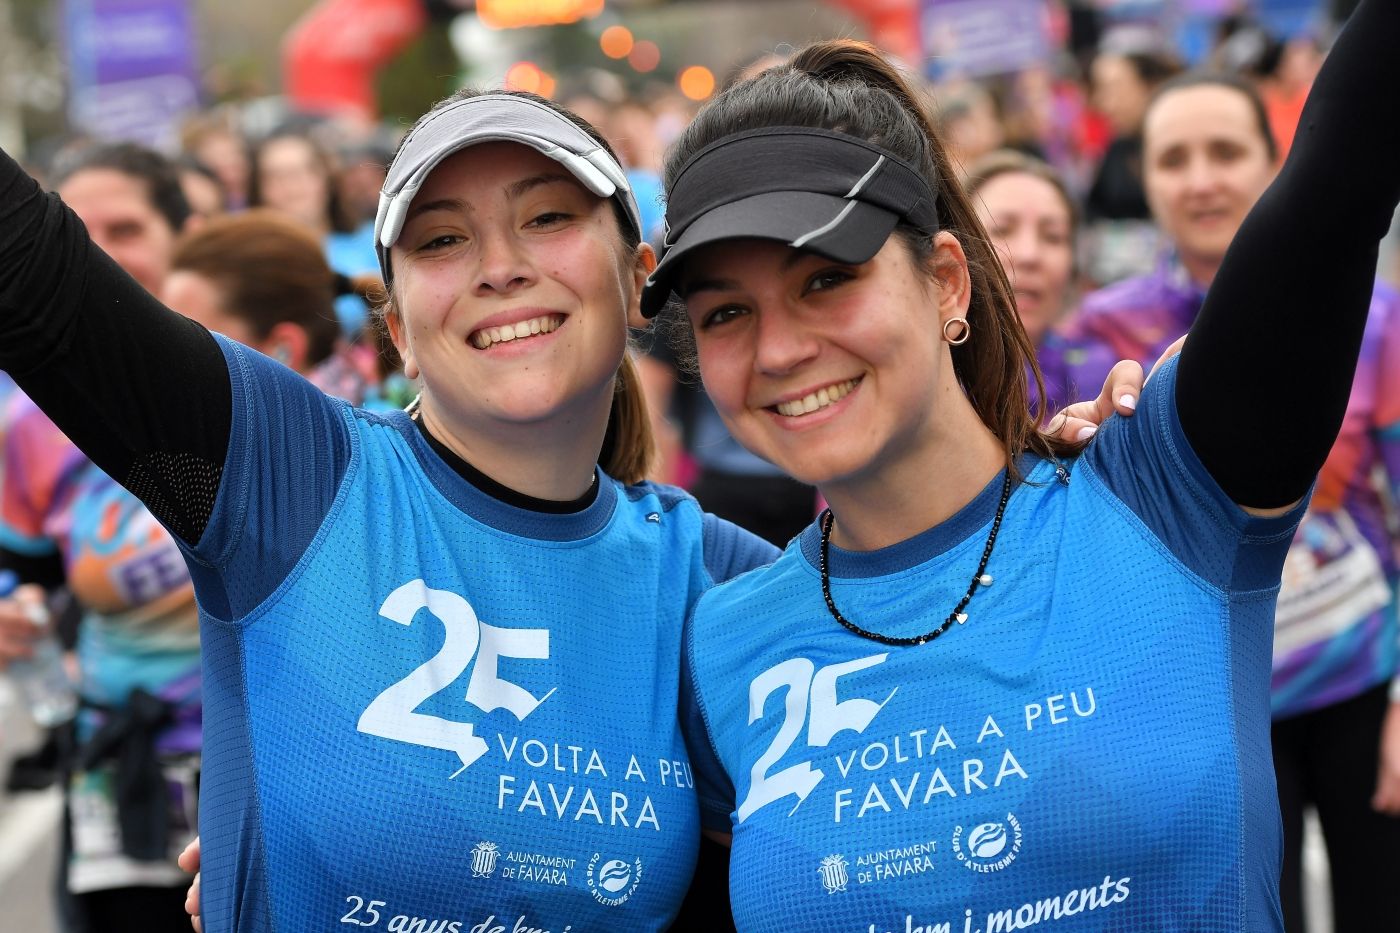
x=441, y=650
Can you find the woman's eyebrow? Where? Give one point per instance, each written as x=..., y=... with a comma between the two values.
x=686, y=289
x=513, y=190
x=441, y=204
x=516, y=189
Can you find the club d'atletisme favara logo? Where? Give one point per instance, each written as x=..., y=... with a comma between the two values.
x=989, y=846
x=612, y=881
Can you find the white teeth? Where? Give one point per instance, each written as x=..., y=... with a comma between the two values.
x=536, y=325
x=819, y=399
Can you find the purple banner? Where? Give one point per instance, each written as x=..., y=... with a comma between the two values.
x=132, y=68
x=971, y=38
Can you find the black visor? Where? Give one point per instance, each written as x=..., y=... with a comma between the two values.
x=812, y=189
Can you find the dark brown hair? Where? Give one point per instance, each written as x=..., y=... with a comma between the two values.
x=847, y=86
x=629, y=448
x=156, y=173
x=268, y=270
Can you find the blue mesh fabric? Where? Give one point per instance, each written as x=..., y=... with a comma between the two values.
x=429, y=709
x=1088, y=752
x=230, y=818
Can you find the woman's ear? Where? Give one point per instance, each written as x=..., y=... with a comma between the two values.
x=952, y=276
x=643, y=265
x=394, y=321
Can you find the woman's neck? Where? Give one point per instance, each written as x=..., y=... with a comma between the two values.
x=501, y=492
x=529, y=459
x=889, y=504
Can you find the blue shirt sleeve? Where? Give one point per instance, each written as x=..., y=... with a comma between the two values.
x=1146, y=463
x=730, y=550
x=289, y=448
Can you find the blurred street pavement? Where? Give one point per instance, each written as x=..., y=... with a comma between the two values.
x=29, y=827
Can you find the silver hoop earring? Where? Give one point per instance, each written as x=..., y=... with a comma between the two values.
x=964, y=333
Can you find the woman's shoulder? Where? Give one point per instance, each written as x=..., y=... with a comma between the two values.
x=669, y=507
x=667, y=496
x=744, y=592
x=1146, y=466
x=728, y=549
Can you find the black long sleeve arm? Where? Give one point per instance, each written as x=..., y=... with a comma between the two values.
x=1265, y=376
x=143, y=391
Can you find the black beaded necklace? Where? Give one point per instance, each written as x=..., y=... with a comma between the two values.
x=980, y=578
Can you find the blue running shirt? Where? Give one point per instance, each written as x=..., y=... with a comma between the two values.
x=1090, y=751
x=430, y=711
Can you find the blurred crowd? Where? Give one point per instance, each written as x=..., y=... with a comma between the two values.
x=1111, y=203
x=1079, y=117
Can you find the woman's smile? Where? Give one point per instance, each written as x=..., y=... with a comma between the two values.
x=818, y=400
x=484, y=338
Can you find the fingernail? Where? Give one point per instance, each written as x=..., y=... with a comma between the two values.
x=1086, y=432
x=1128, y=401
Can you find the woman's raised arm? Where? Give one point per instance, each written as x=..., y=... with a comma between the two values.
x=143, y=391
x=1265, y=375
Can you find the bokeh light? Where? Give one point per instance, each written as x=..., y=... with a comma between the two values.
x=508, y=14
x=616, y=41
x=527, y=76
x=645, y=56
x=697, y=82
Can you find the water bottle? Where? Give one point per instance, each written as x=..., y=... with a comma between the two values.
x=42, y=679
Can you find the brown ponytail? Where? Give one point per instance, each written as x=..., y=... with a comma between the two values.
x=629, y=450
